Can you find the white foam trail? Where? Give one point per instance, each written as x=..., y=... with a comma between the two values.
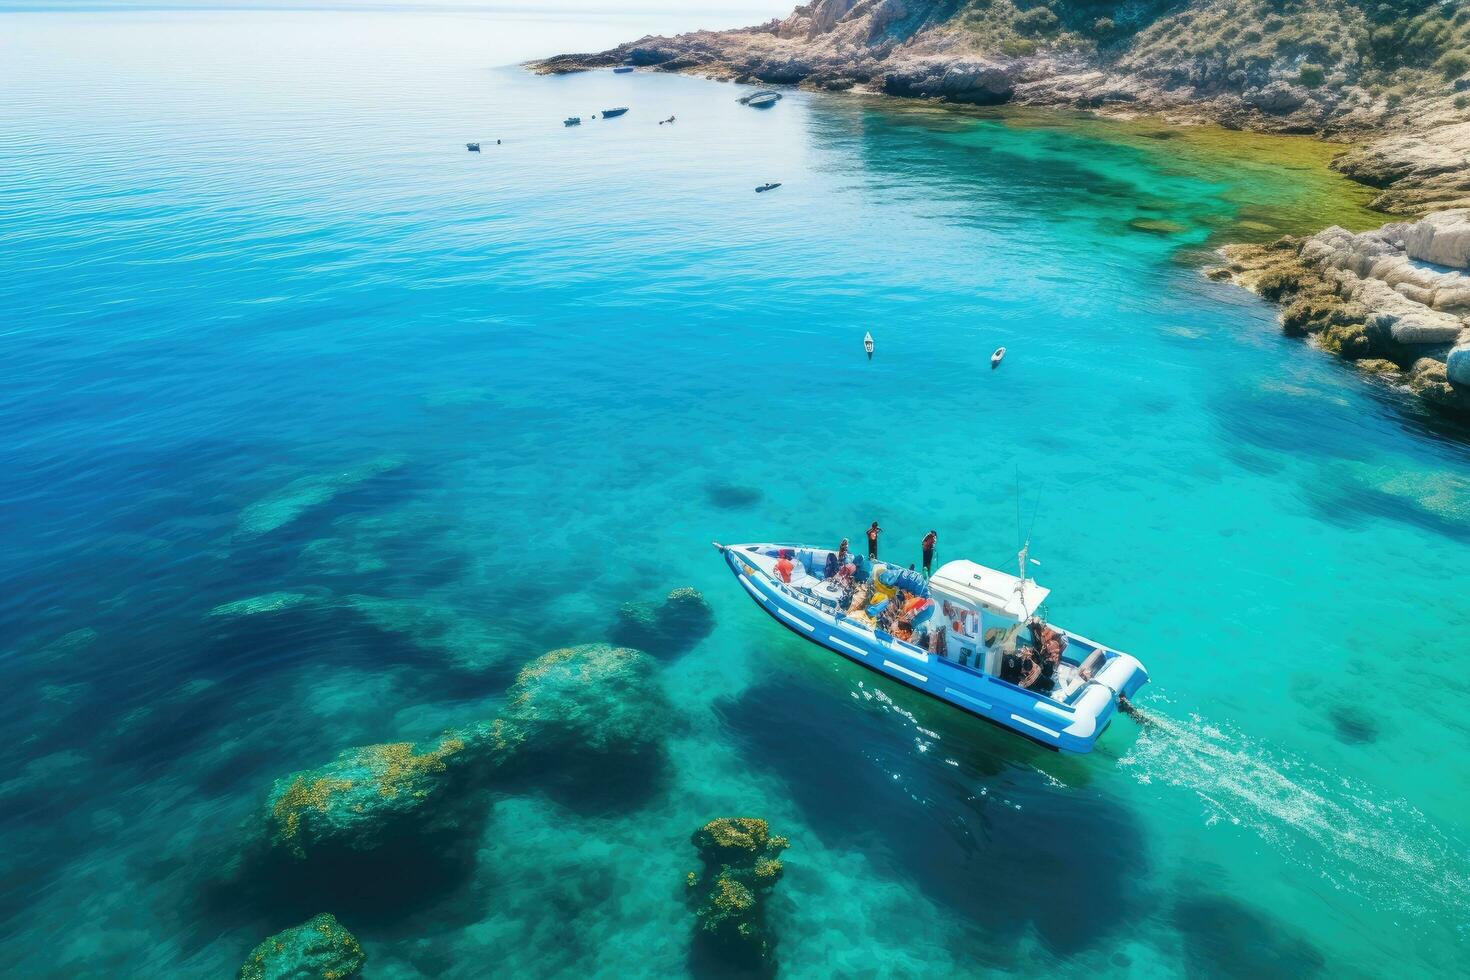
x=1386, y=851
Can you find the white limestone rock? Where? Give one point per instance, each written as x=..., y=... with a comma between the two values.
x=1442, y=238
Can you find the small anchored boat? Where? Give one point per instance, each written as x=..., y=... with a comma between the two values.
x=622, y=69
x=763, y=99
x=767, y=187
x=614, y=113
x=997, y=357
x=472, y=147
x=572, y=121
x=868, y=344
x=957, y=637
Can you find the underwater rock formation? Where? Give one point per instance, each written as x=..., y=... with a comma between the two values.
x=369, y=793
x=317, y=950
x=591, y=703
x=741, y=865
x=465, y=643
x=269, y=602
x=668, y=628
x=1376, y=296
x=276, y=510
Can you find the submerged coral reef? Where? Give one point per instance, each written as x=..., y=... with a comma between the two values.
x=317, y=950
x=741, y=865
x=668, y=628
x=284, y=506
x=355, y=800
x=594, y=698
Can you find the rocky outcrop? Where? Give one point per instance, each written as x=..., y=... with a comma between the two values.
x=372, y=793
x=288, y=504
x=741, y=863
x=317, y=950
x=594, y=702
x=1299, y=66
x=668, y=628
x=1420, y=169
x=1375, y=297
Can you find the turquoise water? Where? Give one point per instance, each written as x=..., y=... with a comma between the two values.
x=268, y=328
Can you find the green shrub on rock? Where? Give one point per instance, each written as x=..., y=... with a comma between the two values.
x=317, y=950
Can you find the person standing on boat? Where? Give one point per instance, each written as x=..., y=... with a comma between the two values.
x=784, y=566
x=873, y=531
x=930, y=540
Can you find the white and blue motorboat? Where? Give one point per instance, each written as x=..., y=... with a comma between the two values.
x=962, y=634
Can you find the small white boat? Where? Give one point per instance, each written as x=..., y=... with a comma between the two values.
x=763, y=99
x=572, y=121
x=472, y=147
x=967, y=636
x=614, y=113
x=868, y=344
x=997, y=357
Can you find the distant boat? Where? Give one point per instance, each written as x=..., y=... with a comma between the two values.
x=868, y=344
x=763, y=99
x=572, y=121
x=767, y=187
x=622, y=69
x=997, y=357
x=611, y=113
x=472, y=147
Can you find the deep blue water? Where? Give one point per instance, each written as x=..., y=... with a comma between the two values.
x=269, y=328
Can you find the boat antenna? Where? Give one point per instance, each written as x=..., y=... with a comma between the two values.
x=1023, y=557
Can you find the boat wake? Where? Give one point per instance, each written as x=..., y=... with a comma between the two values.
x=1386, y=851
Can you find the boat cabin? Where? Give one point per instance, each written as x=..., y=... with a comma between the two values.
x=966, y=615
x=984, y=611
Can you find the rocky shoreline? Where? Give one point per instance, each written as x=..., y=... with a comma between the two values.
x=1193, y=64
x=1396, y=300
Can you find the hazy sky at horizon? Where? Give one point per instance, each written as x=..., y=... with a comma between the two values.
x=757, y=9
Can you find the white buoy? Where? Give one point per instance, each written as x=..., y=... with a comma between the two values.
x=868, y=344
x=997, y=357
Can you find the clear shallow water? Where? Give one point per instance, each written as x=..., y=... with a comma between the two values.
x=268, y=327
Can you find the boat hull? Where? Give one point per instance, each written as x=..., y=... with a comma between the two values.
x=1073, y=727
x=612, y=113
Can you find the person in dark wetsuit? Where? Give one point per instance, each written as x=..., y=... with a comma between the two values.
x=873, y=531
x=930, y=540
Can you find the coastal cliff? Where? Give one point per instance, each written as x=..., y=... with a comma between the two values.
x=1307, y=66
x=1389, y=77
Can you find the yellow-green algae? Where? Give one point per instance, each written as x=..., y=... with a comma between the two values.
x=320, y=949
x=741, y=864
x=345, y=799
x=1273, y=184
x=594, y=699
